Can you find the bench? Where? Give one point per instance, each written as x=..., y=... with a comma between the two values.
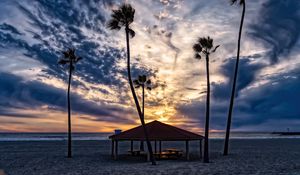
x=171, y=153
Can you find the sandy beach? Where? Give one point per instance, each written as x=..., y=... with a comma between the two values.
x=248, y=156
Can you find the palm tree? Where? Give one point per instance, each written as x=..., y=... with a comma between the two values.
x=229, y=117
x=143, y=82
x=69, y=59
x=123, y=17
x=205, y=46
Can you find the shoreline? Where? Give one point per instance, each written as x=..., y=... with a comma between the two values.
x=217, y=139
x=104, y=136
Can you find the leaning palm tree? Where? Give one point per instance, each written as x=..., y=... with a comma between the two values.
x=123, y=17
x=205, y=46
x=69, y=59
x=143, y=82
x=229, y=117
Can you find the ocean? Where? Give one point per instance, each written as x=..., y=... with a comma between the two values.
x=104, y=136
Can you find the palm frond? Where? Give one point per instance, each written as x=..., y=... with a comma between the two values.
x=203, y=42
x=140, y=79
x=197, y=56
x=144, y=78
x=72, y=51
x=113, y=24
x=66, y=54
x=122, y=17
x=63, y=62
x=215, y=48
x=131, y=33
x=197, y=48
x=117, y=15
x=136, y=82
x=148, y=82
x=128, y=12
x=206, y=43
x=210, y=43
x=78, y=59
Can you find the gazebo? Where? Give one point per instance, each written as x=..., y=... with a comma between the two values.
x=157, y=132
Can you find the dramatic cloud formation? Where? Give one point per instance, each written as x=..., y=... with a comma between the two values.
x=33, y=85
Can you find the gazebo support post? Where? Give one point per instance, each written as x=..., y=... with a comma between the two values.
x=200, y=148
x=155, y=150
x=148, y=156
x=112, y=148
x=131, y=146
x=159, y=148
x=187, y=150
x=116, y=150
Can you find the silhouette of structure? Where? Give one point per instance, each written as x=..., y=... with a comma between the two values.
x=205, y=46
x=157, y=132
x=143, y=82
x=229, y=117
x=122, y=18
x=69, y=59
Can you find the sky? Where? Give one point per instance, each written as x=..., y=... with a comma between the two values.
x=33, y=86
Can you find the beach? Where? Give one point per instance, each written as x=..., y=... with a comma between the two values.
x=248, y=156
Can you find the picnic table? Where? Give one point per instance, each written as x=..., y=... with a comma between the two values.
x=171, y=153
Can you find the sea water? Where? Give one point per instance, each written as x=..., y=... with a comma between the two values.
x=104, y=136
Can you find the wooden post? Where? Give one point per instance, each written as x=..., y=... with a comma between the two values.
x=159, y=148
x=187, y=150
x=200, y=148
x=116, y=150
x=155, y=150
x=148, y=156
x=131, y=146
x=112, y=148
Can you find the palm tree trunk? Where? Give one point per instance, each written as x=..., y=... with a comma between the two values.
x=229, y=117
x=143, y=98
x=69, y=114
x=136, y=99
x=206, y=147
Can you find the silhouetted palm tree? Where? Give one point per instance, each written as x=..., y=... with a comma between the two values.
x=205, y=46
x=229, y=117
x=143, y=82
x=123, y=17
x=69, y=59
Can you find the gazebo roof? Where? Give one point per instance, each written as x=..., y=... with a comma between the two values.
x=157, y=131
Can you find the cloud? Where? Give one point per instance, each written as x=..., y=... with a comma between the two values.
x=278, y=26
x=248, y=69
x=12, y=29
x=273, y=101
x=19, y=94
x=33, y=34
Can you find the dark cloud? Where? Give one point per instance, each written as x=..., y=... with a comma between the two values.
x=8, y=112
x=275, y=100
x=246, y=75
x=12, y=29
x=17, y=94
x=278, y=26
x=60, y=27
x=57, y=26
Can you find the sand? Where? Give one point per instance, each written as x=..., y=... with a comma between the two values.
x=264, y=156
